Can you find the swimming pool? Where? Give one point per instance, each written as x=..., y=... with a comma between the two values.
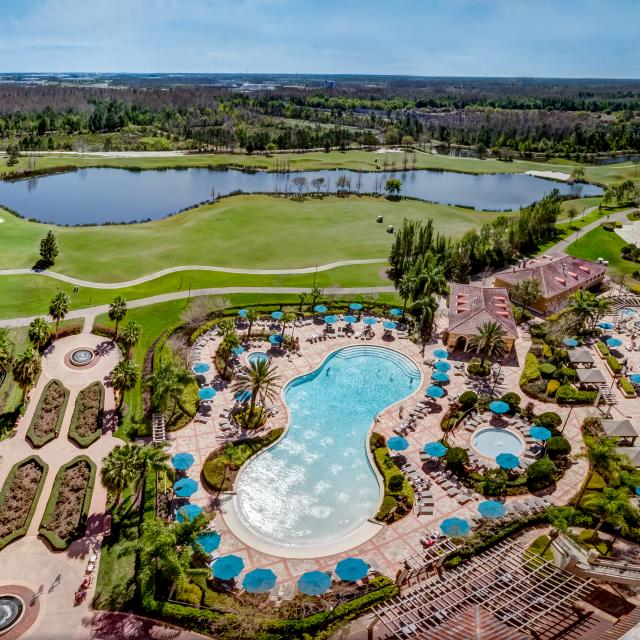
x=491, y=442
x=316, y=486
x=257, y=356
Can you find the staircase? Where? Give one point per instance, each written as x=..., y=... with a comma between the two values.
x=157, y=428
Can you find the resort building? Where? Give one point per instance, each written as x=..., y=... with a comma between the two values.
x=559, y=277
x=471, y=307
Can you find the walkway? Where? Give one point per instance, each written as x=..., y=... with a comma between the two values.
x=89, y=313
x=159, y=274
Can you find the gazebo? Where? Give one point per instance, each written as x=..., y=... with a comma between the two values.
x=633, y=453
x=621, y=429
x=581, y=357
x=590, y=376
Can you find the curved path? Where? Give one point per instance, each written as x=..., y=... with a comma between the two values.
x=164, y=272
x=89, y=313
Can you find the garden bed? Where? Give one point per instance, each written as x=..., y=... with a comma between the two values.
x=48, y=416
x=66, y=514
x=86, y=423
x=398, y=494
x=19, y=497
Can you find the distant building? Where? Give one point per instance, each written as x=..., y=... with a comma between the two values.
x=329, y=84
x=471, y=307
x=559, y=277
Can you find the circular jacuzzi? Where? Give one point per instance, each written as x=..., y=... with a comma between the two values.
x=491, y=442
x=257, y=356
x=11, y=609
x=81, y=357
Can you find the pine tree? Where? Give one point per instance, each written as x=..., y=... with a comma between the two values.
x=48, y=249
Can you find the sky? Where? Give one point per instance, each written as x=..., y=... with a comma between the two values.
x=542, y=38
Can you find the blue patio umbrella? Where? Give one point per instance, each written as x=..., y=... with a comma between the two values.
x=237, y=350
x=570, y=342
x=185, y=487
x=491, y=509
x=397, y=443
x=189, y=512
x=441, y=354
x=259, y=581
x=614, y=342
x=350, y=319
x=227, y=567
x=440, y=376
x=242, y=396
x=455, y=527
x=442, y=365
x=507, y=460
x=635, y=378
x=314, y=583
x=208, y=540
x=352, y=569
x=355, y=306
x=435, y=449
x=243, y=313
x=539, y=433
x=275, y=339
x=606, y=325
x=389, y=324
x=206, y=393
x=498, y=406
x=182, y=461
x=320, y=308
x=331, y=319
x=201, y=367
x=277, y=315
x=638, y=491
x=396, y=312
x=434, y=391
x=369, y=320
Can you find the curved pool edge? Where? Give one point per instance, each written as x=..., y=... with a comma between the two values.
x=362, y=534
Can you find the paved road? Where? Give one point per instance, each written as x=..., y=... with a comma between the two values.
x=158, y=274
x=89, y=313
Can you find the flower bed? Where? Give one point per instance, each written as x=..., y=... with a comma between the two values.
x=65, y=517
x=19, y=497
x=86, y=423
x=47, y=419
x=398, y=494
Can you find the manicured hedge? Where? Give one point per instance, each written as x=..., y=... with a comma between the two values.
x=402, y=498
x=53, y=539
x=566, y=394
x=45, y=410
x=18, y=532
x=86, y=422
x=627, y=387
x=602, y=348
x=614, y=364
x=531, y=371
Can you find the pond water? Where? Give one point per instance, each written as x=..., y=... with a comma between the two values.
x=96, y=196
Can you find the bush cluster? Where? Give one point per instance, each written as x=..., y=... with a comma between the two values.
x=531, y=370
x=475, y=368
x=566, y=394
x=397, y=491
x=614, y=364
x=627, y=387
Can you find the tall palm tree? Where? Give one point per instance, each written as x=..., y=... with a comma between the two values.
x=425, y=309
x=117, y=311
x=603, y=460
x=124, y=376
x=131, y=335
x=613, y=507
x=582, y=307
x=26, y=368
x=406, y=287
x=59, y=307
x=431, y=280
x=151, y=459
x=39, y=332
x=601, y=307
x=167, y=383
x=527, y=292
x=6, y=347
x=303, y=298
x=252, y=316
x=286, y=319
x=258, y=378
x=120, y=468
x=229, y=342
x=315, y=293
x=489, y=341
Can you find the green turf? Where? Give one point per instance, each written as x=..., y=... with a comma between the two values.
x=255, y=232
x=599, y=243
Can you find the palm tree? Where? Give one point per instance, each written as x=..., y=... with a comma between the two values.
x=613, y=507
x=430, y=281
x=252, y=316
x=406, y=286
x=303, y=298
x=226, y=326
x=6, y=346
x=59, y=307
x=527, y=293
x=131, y=335
x=151, y=459
x=426, y=309
x=120, y=468
x=315, y=293
x=603, y=460
x=489, y=341
x=259, y=377
x=39, y=332
x=286, y=318
x=229, y=342
x=117, y=311
x=167, y=383
x=26, y=368
x=124, y=376
x=582, y=306
x=601, y=307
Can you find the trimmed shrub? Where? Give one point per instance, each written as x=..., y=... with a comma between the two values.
x=456, y=459
x=602, y=348
x=541, y=474
x=389, y=503
x=614, y=364
x=403, y=494
x=558, y=446
x=512, y=399
x=627, y=387
x=467, y=400
x=547, y=369
x=376, y=440
x=86, y=423
x=395, y=482
x=474, y=368
x=549, y=419
x=47, y=419
x=552, y=387
x=531, y=371
x=568, y=374
x=566, y=394
x=189, y=594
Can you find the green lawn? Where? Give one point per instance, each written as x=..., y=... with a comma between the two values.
x=599, y=243
x=255, y=232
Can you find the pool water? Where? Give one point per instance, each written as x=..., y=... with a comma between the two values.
x=316, y=485
x=492, y=442
x=257, y=356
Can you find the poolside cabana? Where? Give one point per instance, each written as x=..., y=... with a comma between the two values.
x=621, y=429
x=590, y=376
x=581, y=358
x=633, y=453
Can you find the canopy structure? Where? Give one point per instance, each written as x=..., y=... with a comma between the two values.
x=182, y=461
x=441, y=354
x=581, y=357
x=275, y=339
x=320, y=308
x=206, y=393
x=331, y=319
x=369, y=320
x=355, y=306
x=633, y=453
x=208, y=540
x=442, y=365
x=606, y=325
x=242, y=396
x=540, y=433
x=277, y=315
x=499, y=407
x=237, y=350
x=314, y=583
x=389, y=325
x=614, y=342
x=570, y=342
x=227, y=567
x=434, y=391
x=350, y=319
x=435, y=449
x=440, y=376
x=185, y=487
x=188, y=512
x=492, y=509
x=507, y=460
x=397, y=443
x=622, y=429
x=243, y=313
x=352, y=569
x=259, y=581
x=455, y=527
x=590, y=376
x=396, y=312
x=201, y=367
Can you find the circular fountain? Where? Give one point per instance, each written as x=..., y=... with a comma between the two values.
x=81, y=357
x=11, y=609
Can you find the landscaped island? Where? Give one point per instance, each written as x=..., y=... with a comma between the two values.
x=47, y=419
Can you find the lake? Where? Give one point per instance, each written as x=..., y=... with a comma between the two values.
x=96, y=196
